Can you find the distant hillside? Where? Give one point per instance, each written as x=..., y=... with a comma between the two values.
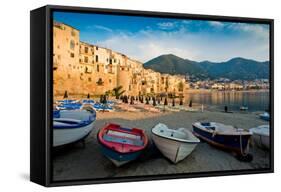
x=236, y=68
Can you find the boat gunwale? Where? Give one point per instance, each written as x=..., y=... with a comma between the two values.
x=177, y=139
x=105, y=144
x=242, y=133
x=81, y=124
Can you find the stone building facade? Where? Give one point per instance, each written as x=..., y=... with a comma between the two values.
x=81, y=68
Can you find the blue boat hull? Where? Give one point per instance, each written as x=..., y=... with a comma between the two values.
x=228, y=142
x=119, y=158
x=265, y=118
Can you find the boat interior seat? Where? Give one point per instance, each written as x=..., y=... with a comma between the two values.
x=67, y=120
x=123, y=140
x=210, y=128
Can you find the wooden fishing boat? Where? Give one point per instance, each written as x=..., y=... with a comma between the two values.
x=103, y=107
x=175, y=144
x=261, y=136
x=71, y=126
x=187, y=109
x=244, y=108
x=122, y=145
x=223, y=136
x=88, y=101
x=265, y=116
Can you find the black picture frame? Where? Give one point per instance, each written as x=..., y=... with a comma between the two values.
x=41, y=93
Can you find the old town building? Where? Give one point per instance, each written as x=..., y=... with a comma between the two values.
x=81, y=68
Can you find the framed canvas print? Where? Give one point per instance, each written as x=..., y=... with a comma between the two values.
x=120, y=95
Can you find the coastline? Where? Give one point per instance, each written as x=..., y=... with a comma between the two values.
x=215, y=90
x=82, y=163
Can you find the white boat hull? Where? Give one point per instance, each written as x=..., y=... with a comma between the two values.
x=66, y=136
x=261, y=136
x=261, y=140
x=173, y=150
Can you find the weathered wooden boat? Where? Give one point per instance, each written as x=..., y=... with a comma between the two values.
x=88, y=101
x=223, y=136
x=67, y=101
x=70, y=106
x=244, y=108
x=122, y=145
x=187, y=109
x=71, y=126
x=175, y=144
x=103, y=107
x=265, y=116
x=261, y=136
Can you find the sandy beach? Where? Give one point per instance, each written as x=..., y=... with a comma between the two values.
x=78, y=162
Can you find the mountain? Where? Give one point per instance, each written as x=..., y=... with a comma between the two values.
x=172, y=64
x=236, y=68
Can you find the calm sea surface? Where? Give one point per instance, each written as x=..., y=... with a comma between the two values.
x=255, y=101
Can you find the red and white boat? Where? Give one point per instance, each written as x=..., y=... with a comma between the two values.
x=122, y=145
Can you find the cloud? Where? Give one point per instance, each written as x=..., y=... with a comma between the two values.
x=258, y=30
x=100, y=27
x=246, y=40
x=166, y=25
x=216, y=24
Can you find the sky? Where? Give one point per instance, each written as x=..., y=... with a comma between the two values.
x=144, y=38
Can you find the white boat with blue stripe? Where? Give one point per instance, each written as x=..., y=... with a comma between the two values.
x=71, y=126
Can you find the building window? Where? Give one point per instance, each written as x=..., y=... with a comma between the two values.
x=72, y=55
x=110, y=61
x=73, y=33
x=98, y=68
x=88, y=70
x=68, y=76
x=100, y=82
x=109, y=80
x=86, y=59
x=72, y=44
x=97, y=58
x=86, y=49
x=89, y=79
x=110, y=69
x=97, y=48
